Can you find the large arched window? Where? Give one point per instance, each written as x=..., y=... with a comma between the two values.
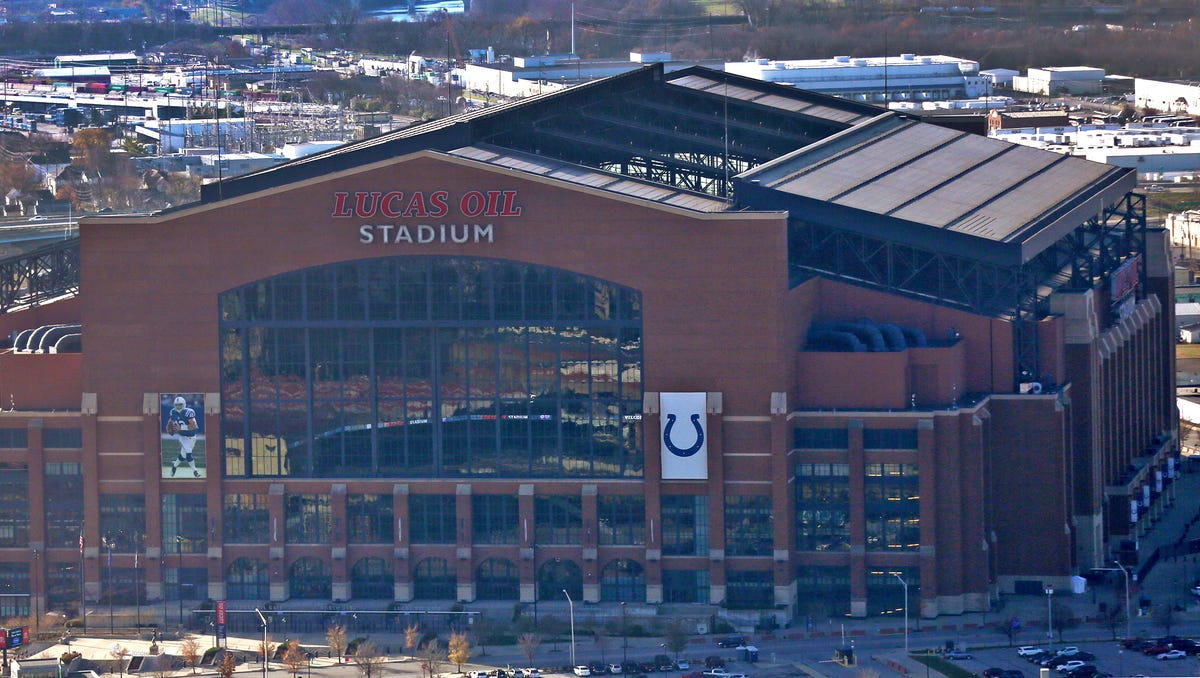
x=434, y=580
x=310, y=578
x=248, y=579
x=371, y=578
x=623, y=579
x=556, y=575
x=497, y=579
x=432, y=366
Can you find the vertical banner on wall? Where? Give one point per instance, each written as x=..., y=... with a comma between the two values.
x=182, y=432
x=1146, y=496
x=1133, y=511
x=684, y=428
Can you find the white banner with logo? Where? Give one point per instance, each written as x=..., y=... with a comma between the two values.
x=684, y=436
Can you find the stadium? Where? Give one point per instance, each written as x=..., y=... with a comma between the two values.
x=691, y=342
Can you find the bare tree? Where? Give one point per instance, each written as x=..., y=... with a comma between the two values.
x=368, y=659
x=294, y=658
x=432, y=656
x=189, y=649
x=676, y=639
x=529, y=642
x=227, y=665
x=459, y=650
x=335, y=637
x=412, y=636
x=266, y=649
x=118, y=653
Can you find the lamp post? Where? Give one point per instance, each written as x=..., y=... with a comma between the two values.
x=179, y=575
x=263, y=619
x=905, y=585
x=112, y=631
x=1128, y=612
x=571, y=604
x=624, y=637
x=1049, y=614
x=37, y=604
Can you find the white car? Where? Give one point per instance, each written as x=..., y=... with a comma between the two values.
x=1069, y=666
x=718, y=673
x=615, y=669
x=1028, y=650
x=1173, y=654
x=582, y=671
x=682, y=665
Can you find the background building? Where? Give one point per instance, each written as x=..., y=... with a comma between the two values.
x=909, y=77
x=684, y=338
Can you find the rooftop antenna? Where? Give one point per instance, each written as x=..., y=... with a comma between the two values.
x=885, y=65
x=572, y=29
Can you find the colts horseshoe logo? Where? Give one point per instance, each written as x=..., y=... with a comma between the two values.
x=683, y=451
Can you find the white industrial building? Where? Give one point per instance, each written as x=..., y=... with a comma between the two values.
x=1060, y=80
x=1154, y=150
x=908, y=77
x=1167, y=97
x=527, y=76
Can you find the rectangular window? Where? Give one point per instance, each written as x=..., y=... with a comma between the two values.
x=886, y=588
x=685, y=525
x=892, y=506
x=185, y=523
x=123, y=521
x=14, y=505
x=494, y=519
x=749, y=590
x=14, y=579
x=748, y=526
x=431, y=518
x=369, y=519
x=559, y=519
x=825, y=591
x=622, y=520
x=821, y=438
x=14, y=438
x=62, y=583
x=890, y=439
x=63, y=503
x=685, y=586
x=62, y=438
x=247, y=519
x=822, y=506
x=309, y=518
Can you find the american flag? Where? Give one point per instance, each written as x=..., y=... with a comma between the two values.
x=81, y=542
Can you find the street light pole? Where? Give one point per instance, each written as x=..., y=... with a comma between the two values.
x=905, y=585
x=1128, y=612
x=1049, y=615
x=37, y=603
x=263, y=619
x=112, y=631
x=179, y=574
x=571, y=604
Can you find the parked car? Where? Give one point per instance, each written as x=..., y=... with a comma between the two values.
x=957, y=654
x=614, y=669
x=1085, y=671
x=693, y=674
x=582, y=670
x=1012, y=673
x=682, y=665
x=1173, y=654
x=477, y=674
x=993, y=672
x=1028, y=650
x=598, y=668
x=1156, y=649
x=713, y=661
x=1070, y=665
x=718, y=673
x=731, y=641
x=1068, y=651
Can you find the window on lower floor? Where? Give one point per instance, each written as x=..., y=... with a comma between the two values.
x=559, y=519
x=494, y=519
x=369, y=519
x=685, y=586
x=431, y=518
x=621, y=520
x=749, y=527
x=749, y=589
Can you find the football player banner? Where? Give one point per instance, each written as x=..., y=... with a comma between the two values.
x=684, y=430
x=182, y=433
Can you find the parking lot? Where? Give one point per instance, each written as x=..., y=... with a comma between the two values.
x=1111, y=658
